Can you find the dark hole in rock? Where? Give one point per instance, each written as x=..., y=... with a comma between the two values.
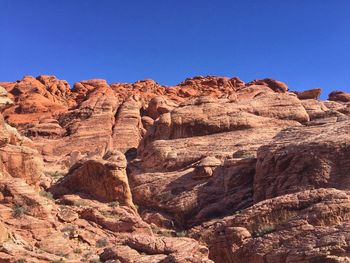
x=131, y=154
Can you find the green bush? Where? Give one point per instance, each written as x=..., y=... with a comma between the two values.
x=237, y=212
x=77, y=251
x=18, y=210
x=80, y=203
x=161, y=232
x=101, y=242
x=45, y=194
x=263, y=231
x=58, y=261
x=181, y=234
x=110, y=215
x=113, y=204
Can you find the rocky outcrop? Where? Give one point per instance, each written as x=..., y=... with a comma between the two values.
x=102, y=179
x=301, y=158
x=127, y=130
x=158, y=106
x=22, y=162
x=35, y=98
x=145, y=248
x=339, y=96
x=275, y=85
x=190, y=200
x=205, y=167
x=203, y=116
x=210, y=170
x=309, y=94
x=18, y=159
x=168, y=155
x=309, y=226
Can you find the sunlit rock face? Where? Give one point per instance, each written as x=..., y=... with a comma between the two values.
x=210, y=170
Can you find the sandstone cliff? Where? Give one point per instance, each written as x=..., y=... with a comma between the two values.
x=210, y=170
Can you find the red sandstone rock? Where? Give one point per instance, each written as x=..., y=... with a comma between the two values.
x=302, y=158
x=4, y=235
x=309, y=226
x=158, y=106
x=104, y=180
x=309, y=94
x=339, y=96
x=275, y=85
x=245, y=156
x=17, y=157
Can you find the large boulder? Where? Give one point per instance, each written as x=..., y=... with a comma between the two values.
x=339, y=96
x=275, y=85
x=159, y=105
x=103, y=179
x=309, y=94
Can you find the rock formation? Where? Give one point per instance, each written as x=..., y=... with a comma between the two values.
x=309, y=226
x=309, y=94
x=210, y=170
x=104, y=180
x=339, y=96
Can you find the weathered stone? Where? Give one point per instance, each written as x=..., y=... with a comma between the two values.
x=249, y=170
x=103, y=179
x=301, y=158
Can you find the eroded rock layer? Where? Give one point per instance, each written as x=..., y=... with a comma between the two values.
x=210, y=170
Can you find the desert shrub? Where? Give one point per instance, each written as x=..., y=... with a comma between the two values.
x=69, y=230
x=21, y=260
x=181, y=234
x=62, y=254
x=58, y=261
x=245, y=154
x=77, y=251
x=155, y=229
x=45, y=194
x=80, y=203
x=263, y=231
x=86, y=256
x=55, y=174
x=110, y=215
x=164, y=233
x=18, y=210
x=101, y=242
x=113, y=204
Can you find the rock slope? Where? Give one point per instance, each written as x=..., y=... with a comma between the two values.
x=210, y=170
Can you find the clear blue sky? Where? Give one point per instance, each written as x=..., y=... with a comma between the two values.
x=305, y=43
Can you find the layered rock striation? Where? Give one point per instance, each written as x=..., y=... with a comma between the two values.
x=210, y=170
